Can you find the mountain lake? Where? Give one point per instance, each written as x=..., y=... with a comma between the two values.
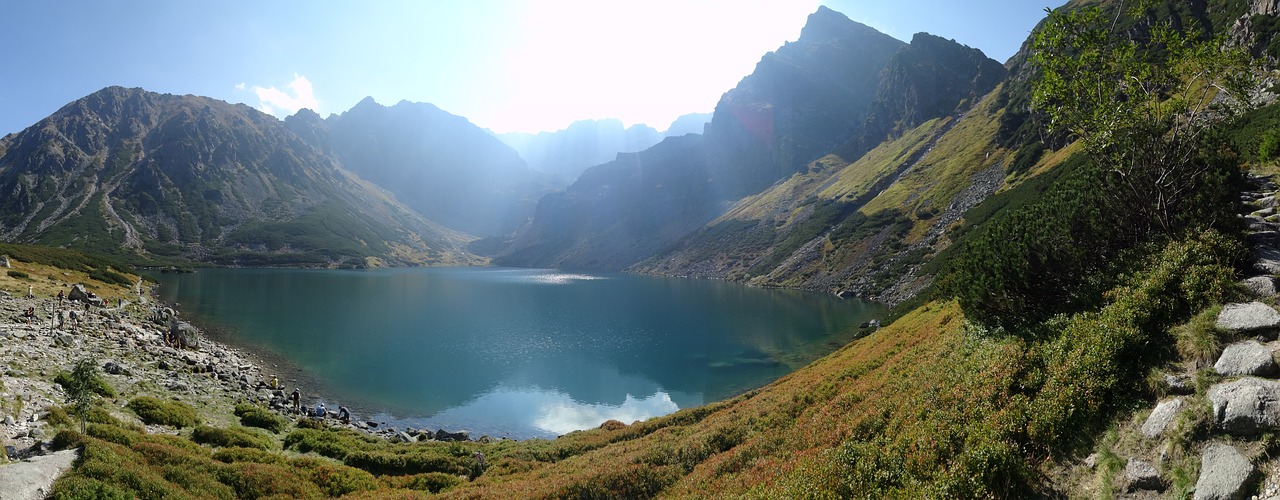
x=519, y=353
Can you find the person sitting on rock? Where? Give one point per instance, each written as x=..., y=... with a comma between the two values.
x=320, y=411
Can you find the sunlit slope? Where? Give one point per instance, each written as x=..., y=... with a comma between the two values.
x=777, y=441
x=865, y=227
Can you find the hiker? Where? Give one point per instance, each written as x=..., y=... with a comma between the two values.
x=30, y=314
x=30, y=293
x=320, y=411
x=61, y=296
x=275, y=383
x=297, y=400
x=344, y=415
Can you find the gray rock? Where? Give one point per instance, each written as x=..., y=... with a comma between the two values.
x=1260, y=286
x=1246, y=406
x=1265, y=212
x=1246, y=358
x=404, y=437
x=1179, y=384
x=1140, y=475
x=1161, y=417
x=1248, y=317
x=1225, y=473
x=1266, y=259
x=8, y=420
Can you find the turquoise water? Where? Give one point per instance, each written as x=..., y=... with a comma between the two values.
x=519, y=353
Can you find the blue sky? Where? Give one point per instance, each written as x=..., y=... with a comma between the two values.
x=509, y=65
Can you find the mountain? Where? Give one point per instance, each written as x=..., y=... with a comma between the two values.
x=440, y=164
x=565, y=153
x=692, y=123
x=804, y=115
x=135, y=173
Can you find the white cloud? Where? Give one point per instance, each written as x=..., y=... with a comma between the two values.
x=299, y=94
x=240, y=86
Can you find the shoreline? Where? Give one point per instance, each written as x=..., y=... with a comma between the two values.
x=132, y=357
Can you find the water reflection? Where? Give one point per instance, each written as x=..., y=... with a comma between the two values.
x=505, y=349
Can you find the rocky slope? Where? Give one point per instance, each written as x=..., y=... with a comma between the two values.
x=131, y=172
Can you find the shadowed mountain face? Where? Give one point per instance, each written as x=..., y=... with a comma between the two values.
x=125, y=171
x=449, y=170
x=839, y=82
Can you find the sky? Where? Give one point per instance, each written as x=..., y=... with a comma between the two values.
x=507, y=65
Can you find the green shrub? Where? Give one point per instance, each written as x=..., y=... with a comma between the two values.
x=114, y=434
x=413, y=462
x=232, y=436
x=161, y=412
x=240, y=454
x=78, y=487
x=332, y=443
x=333, y=479
x=257, y=416
x=636, y=481
x=434, y=482
x=99, y=386
x=67, y=438
x=256, y=480
x=14, y=273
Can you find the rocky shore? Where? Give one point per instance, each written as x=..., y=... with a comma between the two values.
x=133, y=344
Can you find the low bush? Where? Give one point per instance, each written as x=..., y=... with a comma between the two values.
x=232, y=436
x=434, y=482
x=14, y=273
x=161, y=412
x=333, y=479
x=257, y=416
x=414, y=462
x=332, y=443
x=232, y=454
x=100, y=386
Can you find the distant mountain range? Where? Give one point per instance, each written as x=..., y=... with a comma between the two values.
x=565, y=153
x=839, y=164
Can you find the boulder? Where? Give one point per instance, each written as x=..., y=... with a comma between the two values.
x=1225, y=473
x=1246, y=406
x=443, y=435
x=1140, y=475
x=1246, y=358
x=1248, y=317
x=1161, y=417
x=1261, y=286
x=404, y=437
x=4, y=261
x=114, y=368
x=78, y=293
x=1266, y=259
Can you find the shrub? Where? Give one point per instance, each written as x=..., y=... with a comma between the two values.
x=255, y=480
x=257, y=416
x=114, y=434
x=97, y=384
x=160, y=412
x=14, y=273
x=73, y=487
x=434, y=482
x=635, y=481
x=387, y=462
x=239, y=437
x=333, y=479
x=67, y=438
x=332, y=443
x=232, y=454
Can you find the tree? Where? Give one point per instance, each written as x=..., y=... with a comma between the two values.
x=80, y=390
x=1145, y=100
